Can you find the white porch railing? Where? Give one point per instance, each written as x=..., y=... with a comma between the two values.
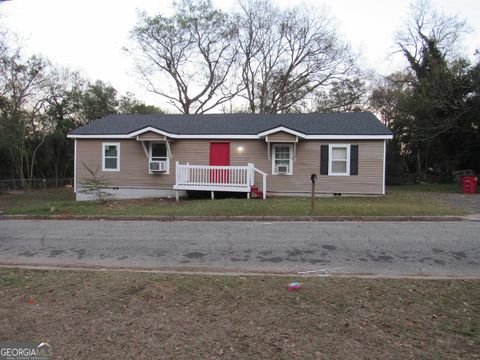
x=264, y=180
x=217, y=178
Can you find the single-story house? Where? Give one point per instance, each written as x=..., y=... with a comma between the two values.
x=168, y=155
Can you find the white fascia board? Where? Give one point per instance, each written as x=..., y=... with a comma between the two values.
x=258, y=136
x=348, y=137
x=98, y=136
x=217, y=137
x=152, y=129
x=284, y=129
x=172, y=136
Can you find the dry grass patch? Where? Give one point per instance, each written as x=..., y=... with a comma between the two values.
x=106, y=315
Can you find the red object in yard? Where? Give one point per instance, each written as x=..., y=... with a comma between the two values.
x=256, y=192
x=294, y=286
x=469, y=184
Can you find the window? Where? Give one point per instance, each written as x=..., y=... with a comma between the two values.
x=111, y=157
x=282, y=159
x=339, y=162
x=159, y=152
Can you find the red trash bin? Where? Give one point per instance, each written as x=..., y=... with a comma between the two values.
x=469, y=184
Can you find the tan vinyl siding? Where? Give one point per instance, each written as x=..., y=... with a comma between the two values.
x=134, y=165
x=281, y=136
x=150, y=136
x=307, y=161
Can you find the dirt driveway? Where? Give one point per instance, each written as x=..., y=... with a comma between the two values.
x=467, y=202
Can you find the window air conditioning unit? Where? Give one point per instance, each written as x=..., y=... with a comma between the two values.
x=282, y=169
x=158, y=166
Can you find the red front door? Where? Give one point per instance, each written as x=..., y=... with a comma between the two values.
x=219, y=156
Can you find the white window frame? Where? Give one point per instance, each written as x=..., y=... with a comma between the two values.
x=290, y=165
x=330, y=159
x=104, y=145
x=167, y=158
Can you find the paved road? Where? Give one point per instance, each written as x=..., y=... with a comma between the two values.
x=382, y=248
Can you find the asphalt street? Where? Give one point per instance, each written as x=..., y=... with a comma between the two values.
x=378, y=248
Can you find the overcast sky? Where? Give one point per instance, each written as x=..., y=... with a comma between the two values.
x=88, y=35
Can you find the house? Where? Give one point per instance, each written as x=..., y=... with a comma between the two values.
x=168, y=155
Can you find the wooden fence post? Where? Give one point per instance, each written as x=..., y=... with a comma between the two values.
x=313, y=178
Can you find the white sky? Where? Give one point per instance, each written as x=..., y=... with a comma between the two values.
x=88, y=35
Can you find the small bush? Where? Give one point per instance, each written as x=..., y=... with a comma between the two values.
x=96, y=185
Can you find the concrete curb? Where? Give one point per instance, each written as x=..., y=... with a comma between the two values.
x=472, y=217
x=239, y=218
x=230, y=272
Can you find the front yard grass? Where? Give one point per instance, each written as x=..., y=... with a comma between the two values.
x=399, y=201
x=430, y=187
x=124, y=315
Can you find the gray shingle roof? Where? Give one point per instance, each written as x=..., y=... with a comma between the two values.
x=354, y=123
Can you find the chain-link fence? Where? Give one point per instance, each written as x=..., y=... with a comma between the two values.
x=37, y=184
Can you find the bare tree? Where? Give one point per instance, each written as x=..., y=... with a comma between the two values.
x=195, y=49
x=23, y=90
x=344, y=96
x=96, y=184
x=287, y=55
x=429, y=36
x=3, y=43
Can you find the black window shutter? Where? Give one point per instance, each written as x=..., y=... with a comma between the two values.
x=353, y=159
x=324, y=160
